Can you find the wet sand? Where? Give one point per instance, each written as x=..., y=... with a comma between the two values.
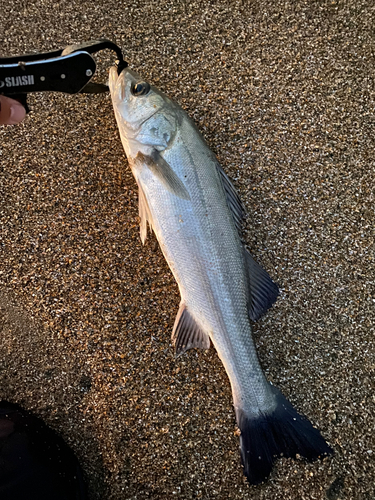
x=284, y=95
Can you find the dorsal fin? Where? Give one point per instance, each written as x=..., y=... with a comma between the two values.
x=263, y=291
x=233, y=200
x=186, y=333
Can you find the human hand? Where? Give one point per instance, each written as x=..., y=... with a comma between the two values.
x=11, y=111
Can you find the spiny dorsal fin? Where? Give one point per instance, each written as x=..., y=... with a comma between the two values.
x=164, y=172
x=187, y=334
x=233, y=200
x=263, y=291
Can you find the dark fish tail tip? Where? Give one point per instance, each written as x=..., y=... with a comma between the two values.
x=282, y=433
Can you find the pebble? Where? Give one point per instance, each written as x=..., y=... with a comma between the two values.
x=284, y=95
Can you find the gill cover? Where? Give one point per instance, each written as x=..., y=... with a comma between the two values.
x=146, y=118
x=147, y=122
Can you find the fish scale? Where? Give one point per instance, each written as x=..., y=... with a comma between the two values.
x=194, y=212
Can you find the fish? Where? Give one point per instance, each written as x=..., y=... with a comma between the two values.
x=196, y=214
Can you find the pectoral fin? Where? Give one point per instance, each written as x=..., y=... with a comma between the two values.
x=263, y=291
x=187, y=334
x=164, y=172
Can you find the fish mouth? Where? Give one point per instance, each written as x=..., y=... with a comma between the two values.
x=113, y=77
x=113, y=81
x=121, y=93
x=129, y=77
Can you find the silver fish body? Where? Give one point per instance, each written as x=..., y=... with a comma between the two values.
x=196, y=215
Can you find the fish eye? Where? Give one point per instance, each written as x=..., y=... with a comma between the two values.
x=140, y=88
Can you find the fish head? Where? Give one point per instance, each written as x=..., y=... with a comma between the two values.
x=147, y=119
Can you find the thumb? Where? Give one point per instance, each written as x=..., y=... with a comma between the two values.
x=11, y=111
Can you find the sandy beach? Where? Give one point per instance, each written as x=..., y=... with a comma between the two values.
x=284, y=95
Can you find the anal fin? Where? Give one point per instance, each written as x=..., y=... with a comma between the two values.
x=263, y=291
x=187, y=334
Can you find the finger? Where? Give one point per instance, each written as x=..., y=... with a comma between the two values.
x=11, y=111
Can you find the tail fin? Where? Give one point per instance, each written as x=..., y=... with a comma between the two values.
x=281, y=433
